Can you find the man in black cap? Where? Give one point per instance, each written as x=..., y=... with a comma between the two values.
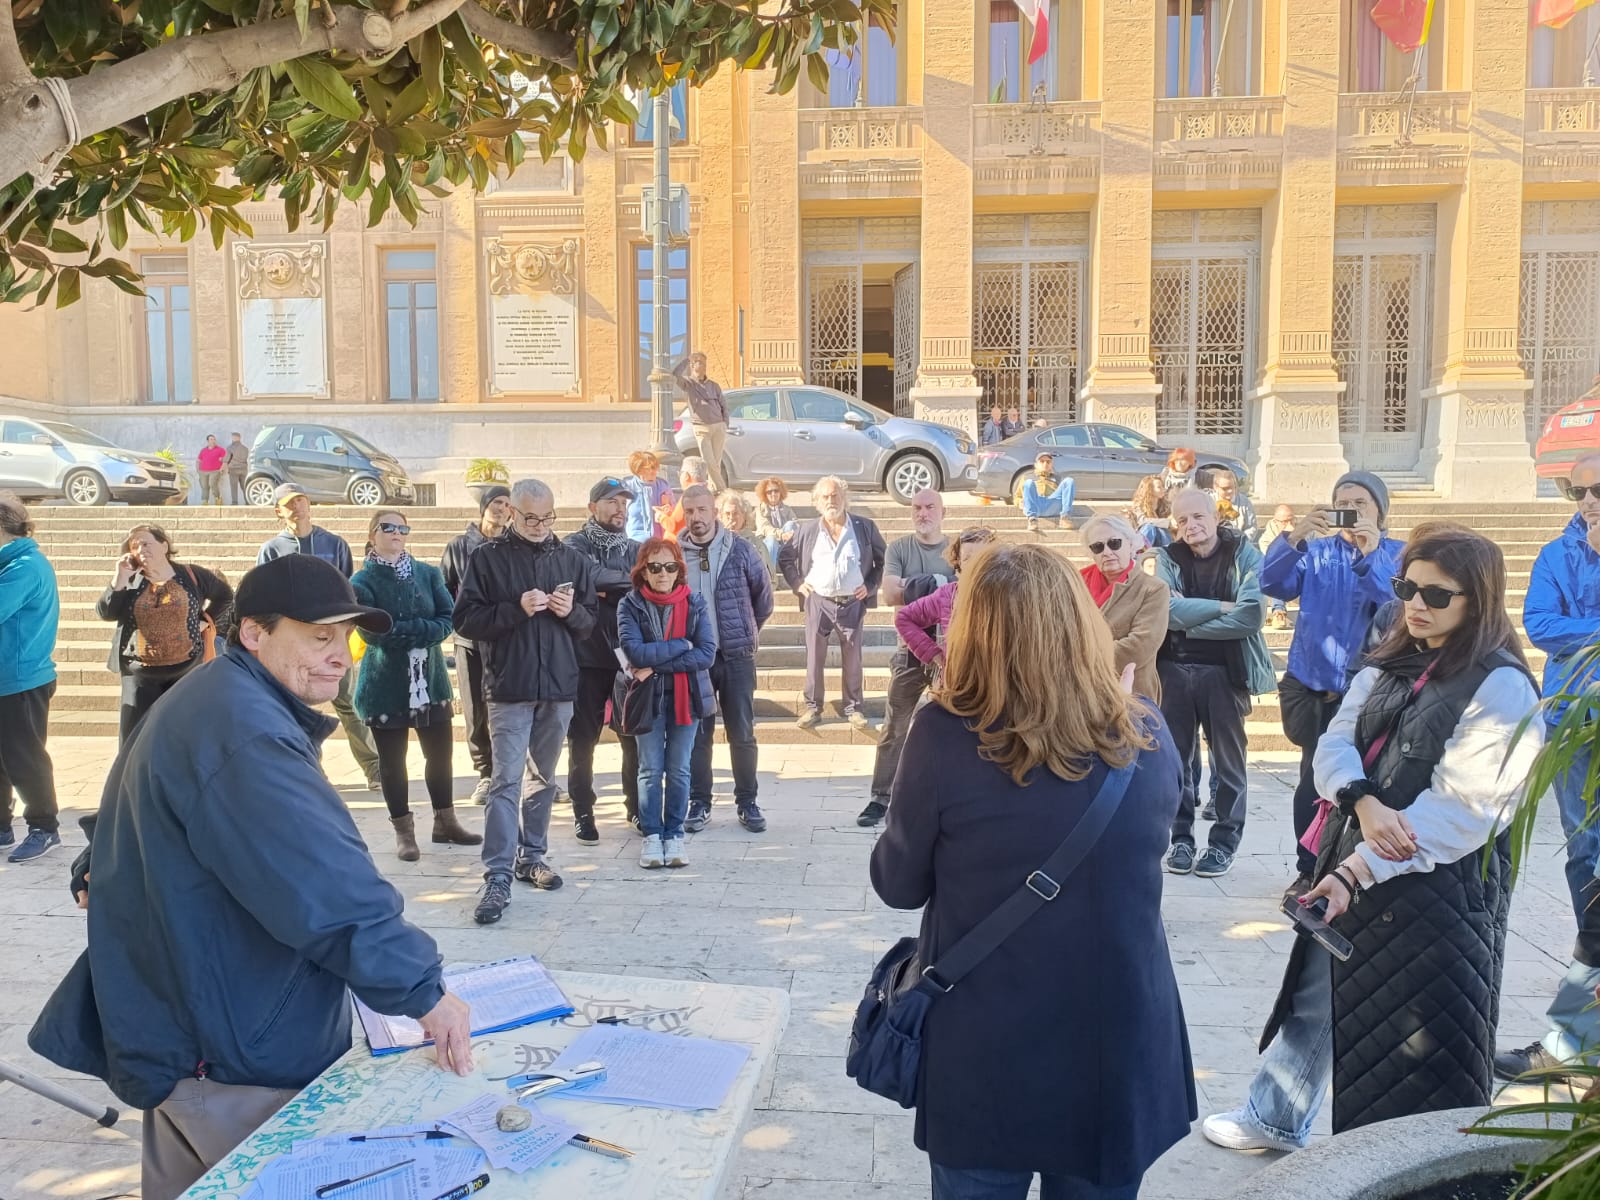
x=234, y=899
x=494, y=513
x=300, y=536
x=611, y=554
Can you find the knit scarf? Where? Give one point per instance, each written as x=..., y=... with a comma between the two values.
x=676, y=602
x=1099, y=586
x=604, y=540
x=401, y=566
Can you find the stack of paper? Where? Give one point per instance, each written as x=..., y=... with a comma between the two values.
x=435, y=1168
x=502, y=995
x=521, y=1151
x=654, y=1070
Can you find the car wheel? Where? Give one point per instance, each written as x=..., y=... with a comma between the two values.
x=366, y=491
x=259, y=489
x=911, y=474
x=85, y=489
x=1016, y=482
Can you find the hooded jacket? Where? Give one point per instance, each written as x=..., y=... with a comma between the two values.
x=29, y=613
x=234, y=902
x=453, y=564
x=1561, y=612
x=525, y=659
x=329, y=547
x=1339, y=590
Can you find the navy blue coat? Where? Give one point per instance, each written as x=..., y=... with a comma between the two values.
x=1065, y=1050
x=231, y=903
x=639, y=634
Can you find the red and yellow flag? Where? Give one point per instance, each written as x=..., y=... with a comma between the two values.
x=1406, y=22
x=1556, y=13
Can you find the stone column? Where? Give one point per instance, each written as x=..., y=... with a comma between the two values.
x=462, y=316
x=1475, y=446
x=1119, y=385
x=1298, y=455
x=346, y=289
x=715, y=311
x=776, y=289
x=607, y=278
x=946, y=390
x=214, y=326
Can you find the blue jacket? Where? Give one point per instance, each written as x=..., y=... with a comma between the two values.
x=1339, y=590
x=232, y=903
x=1562, y=610
x=641, y=525
x=29, y=613
x=329, y=547
x=743, y=597
x=1198, y=617
x=639, y=634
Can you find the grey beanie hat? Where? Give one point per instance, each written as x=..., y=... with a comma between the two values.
x=489, y=495
x=1374, y=485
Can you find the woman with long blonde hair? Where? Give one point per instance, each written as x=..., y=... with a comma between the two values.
x=997, y=771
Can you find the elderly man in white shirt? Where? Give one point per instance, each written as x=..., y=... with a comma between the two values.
x=834, y=564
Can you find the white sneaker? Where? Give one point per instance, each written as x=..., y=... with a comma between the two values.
x=650, y=853
x=672, y=851
x=480, y=793
x=1238, y=1130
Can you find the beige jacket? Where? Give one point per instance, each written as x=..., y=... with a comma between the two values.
x=1137, y=613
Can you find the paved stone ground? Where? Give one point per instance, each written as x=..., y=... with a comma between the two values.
x=791, y=908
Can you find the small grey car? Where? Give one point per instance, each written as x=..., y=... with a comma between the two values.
x=801, y=433
x=44, y=460
x=1106, y=461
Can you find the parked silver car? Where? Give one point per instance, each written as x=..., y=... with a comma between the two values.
x=802, y=433
x=43, y=460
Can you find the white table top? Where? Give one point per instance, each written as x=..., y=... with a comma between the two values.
x=677, y=1155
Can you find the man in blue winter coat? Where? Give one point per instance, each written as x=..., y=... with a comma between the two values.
x=233, y=900
x=29, y=613
x=1340, y=575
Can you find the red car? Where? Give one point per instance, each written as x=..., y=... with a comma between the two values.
x=1568, y=435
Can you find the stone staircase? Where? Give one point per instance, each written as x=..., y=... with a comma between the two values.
x=83, y=545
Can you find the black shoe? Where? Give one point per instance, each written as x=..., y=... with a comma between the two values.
x=1209, y=812
x=699, y=817
x=750, y=817
x=583, y=829
x=1515, y=1063
x=493, y=899
x=539, y=873
x=7, y=837
x=633, y=824
x=872, y=814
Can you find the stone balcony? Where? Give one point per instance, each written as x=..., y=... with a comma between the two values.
x=1036, y=149
x=1388, y=138
x=1561, y=135
x=856, y=153
x=1219, y=142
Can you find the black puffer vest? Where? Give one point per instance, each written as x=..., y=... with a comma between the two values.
x=1415, y=1007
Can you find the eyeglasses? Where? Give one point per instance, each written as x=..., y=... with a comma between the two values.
x=1433, y=595
x=1109, y=543
x=1576, y=493
x=385, y=527
x=661, y=568
x=535, y=518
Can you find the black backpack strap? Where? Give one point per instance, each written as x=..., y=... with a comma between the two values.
x=1041, y=887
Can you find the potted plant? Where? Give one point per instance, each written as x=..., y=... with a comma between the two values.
x=185, y=475
x=485, y=473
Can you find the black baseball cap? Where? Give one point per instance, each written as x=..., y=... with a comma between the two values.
x=609, y=486
x=303, y=587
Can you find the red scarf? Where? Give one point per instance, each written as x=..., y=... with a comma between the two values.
x=676, y=602
x=1099, y=586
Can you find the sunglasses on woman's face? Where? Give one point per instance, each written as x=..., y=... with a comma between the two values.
x=1433, y=595
x=1576, y=492
x=661, y=568
x=1108, y=544
x=385, y=527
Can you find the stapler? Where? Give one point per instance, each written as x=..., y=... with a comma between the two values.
x=531, y=1087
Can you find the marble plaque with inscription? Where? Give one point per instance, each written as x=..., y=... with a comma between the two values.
x=534, y=343
x=283, y=347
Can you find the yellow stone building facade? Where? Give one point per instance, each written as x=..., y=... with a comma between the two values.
x=1224, y=223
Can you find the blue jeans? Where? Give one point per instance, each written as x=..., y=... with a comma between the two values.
x=977, y=1183
x=1574, y=1016
x=664, y=755
x=1155, y=535
x=1057, y=505
x=526, y=738
x=1583, y=845
x=1295, y=1071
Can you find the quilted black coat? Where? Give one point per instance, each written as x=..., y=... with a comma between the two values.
x=1415, y=1007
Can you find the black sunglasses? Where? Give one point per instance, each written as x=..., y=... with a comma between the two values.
x=1111, y=543
x=1575, y=493
x=1433, y=594
x=388, y=528
x=661, y=568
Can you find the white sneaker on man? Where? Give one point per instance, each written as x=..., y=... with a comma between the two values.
x=650, y=856
x=1238, y=1130
x=672, y=853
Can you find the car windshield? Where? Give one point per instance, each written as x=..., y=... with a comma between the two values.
x=71, y=433
x=1124, y=439
x=360, y=443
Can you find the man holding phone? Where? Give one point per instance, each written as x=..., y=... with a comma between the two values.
x=1337, y=561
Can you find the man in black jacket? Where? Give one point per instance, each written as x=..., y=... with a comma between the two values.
x=611, y=554
x=494, y=511
x=527, y=601
x=234, y=902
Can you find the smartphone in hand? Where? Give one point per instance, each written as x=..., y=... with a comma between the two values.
x=1311, y=919
x=564, y=587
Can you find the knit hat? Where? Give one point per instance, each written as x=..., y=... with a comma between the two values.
x=489, y=495
x=1375, y=486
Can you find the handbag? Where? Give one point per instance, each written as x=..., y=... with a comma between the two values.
x=885, y=1051
x=634, y=703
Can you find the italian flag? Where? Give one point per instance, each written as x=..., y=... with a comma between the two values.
x=1405, y=22
x=1037, y=14
x=1556, y=13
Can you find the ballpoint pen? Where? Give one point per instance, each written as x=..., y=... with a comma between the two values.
x=343, y=1183
x=596, y=1146
x=642, y=1016
x=466, y=1189
x=432, y=1135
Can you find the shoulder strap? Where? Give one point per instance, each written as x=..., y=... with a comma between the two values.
x=1037, y=890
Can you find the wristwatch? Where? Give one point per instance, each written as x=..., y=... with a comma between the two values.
x=1351, y=792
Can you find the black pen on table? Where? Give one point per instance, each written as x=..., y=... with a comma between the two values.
x=639, y=1016
x=432, y=1135
x=466, y=1189
x=344, y=1183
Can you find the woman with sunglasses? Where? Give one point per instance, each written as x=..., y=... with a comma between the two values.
x=1134, y=605
x=403, y=683
x=922, y=623
x=1426, y=764
x=775, y=519
x=664, y=633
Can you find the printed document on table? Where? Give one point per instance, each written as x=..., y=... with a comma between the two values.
x=502, y=995
x=433, y=1173
x=654, y=1070
x=521, y=1151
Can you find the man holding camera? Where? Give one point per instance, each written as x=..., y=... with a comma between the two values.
x=1338, y=562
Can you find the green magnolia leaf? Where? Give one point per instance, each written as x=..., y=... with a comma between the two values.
x=323, y=87
x=302, y=15
x=68, y=287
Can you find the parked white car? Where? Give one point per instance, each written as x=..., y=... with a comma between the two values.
x=44, y=460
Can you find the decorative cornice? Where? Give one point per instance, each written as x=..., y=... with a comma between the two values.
x=532, y=266
x=267, y=270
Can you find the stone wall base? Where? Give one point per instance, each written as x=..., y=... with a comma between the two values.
x=1475, y=446
x=956, y=407
x=1297, y=455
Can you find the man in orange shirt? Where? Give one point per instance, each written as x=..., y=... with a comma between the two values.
x=692, y=472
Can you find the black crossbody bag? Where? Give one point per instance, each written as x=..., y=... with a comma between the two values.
x=885, y=1051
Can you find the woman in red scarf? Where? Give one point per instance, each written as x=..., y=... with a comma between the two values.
x=1134, y=604
x=665, y=634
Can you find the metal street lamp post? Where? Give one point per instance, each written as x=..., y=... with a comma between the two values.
x=661, y=439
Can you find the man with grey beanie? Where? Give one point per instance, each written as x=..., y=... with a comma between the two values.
x=1338, y=562
x=494, y=513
